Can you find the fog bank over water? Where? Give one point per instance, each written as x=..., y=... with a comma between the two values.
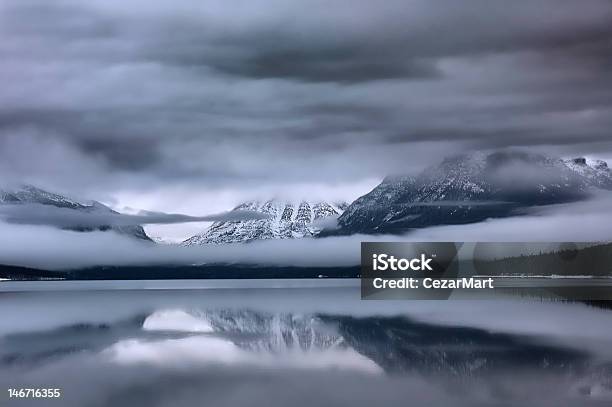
x=50, y=248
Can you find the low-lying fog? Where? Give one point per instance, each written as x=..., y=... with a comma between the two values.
x=51, y=248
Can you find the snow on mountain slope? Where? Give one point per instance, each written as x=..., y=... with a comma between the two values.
x=28, y=194
x=31, y=194
x=471, y=188
x=596, y=172
x=286, y=220
x=265, y=332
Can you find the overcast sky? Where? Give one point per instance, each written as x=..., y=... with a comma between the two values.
x=193, y=106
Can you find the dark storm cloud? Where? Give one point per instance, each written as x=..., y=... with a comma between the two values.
x=135, y=153
x=112, y=95
x=92, y=132
x=343, y=66
x=356, y=41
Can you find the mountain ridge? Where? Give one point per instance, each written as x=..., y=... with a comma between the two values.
x=29, y=194
x=470, y=188
x=286, y=220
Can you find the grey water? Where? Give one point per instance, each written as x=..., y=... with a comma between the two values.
x=299, y=342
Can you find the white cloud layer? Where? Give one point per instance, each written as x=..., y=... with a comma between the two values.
x=50, y=248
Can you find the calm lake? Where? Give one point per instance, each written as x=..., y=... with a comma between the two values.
x=298, y=342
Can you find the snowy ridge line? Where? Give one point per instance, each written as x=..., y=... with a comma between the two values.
x=286, y=220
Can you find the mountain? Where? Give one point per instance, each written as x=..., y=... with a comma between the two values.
x=393, y=344
x=471, y=188
x=375, y=344
x=286, y=220
x=28, y=194
x=273, y=332
x=596, y=172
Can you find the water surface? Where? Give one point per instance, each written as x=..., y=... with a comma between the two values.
x=233, y=343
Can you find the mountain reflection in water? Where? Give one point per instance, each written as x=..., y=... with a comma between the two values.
x=233, y=356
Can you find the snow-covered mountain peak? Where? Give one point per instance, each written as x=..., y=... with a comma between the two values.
x=596, y=172
x=285, y=220
x=30, y=194
x=473, y=187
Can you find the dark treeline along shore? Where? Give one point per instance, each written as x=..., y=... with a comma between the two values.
x=591, y=261
x=595, y=261
x=177, y=272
